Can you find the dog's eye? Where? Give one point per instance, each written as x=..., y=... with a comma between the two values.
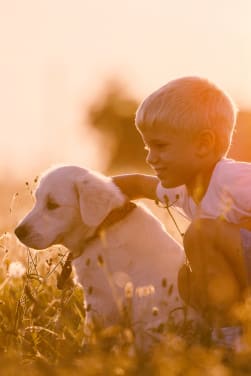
x=52, y=205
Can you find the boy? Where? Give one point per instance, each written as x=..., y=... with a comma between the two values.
x=187, y=127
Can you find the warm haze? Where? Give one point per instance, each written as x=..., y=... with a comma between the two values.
x=56, y=56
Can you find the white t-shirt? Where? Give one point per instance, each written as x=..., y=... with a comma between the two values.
x=228, y=194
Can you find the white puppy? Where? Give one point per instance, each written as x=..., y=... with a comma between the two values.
x=130, y=266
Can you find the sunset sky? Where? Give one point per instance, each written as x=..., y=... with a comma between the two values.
x=56, y=55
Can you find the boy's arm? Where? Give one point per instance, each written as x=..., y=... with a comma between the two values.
x=136, y=186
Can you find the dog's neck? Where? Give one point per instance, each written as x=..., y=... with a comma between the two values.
x=82, y=236
x=78, y=248
x=77, y=239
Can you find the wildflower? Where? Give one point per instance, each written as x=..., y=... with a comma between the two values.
x=16, y=269
x=100, y=260
x=102, y=235
x=164, y=282
x=6, y=235
x=90, y=290
x=128, y=335
x=170, y=290
x=155, y=311
x=128, y=290
x=143, y=291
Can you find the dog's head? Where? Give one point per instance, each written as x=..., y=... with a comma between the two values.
x=70, y=204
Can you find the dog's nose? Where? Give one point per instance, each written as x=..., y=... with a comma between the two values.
x=21, y=231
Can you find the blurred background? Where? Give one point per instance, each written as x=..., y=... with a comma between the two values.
x=73, y=72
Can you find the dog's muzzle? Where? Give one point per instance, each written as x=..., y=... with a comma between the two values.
x=22, y=232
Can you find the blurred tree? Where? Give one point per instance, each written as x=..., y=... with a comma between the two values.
x=113, y=116
x=241, y=146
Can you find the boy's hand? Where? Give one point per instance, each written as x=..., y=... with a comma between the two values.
x=136, y=186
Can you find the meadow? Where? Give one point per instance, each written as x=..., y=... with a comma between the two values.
x=42, y=327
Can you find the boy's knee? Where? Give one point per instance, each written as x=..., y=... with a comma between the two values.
x=220, y=294
x=199, y=229
x=200, y=232
x=186, y=287
x=223, y=292
x=210, y=235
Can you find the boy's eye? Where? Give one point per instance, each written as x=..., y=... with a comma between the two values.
x=155, y=146
x=161, y=145
x=51, y=205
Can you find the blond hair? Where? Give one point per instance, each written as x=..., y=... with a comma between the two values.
x=188, y=105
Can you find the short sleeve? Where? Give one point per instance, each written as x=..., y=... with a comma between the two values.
x=236, y=186
x=229, y=194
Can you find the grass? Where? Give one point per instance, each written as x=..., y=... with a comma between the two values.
x=42, y=329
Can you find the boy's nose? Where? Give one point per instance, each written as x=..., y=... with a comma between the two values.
x=151, y=158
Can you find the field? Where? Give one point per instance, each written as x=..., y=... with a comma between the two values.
x=42, y=328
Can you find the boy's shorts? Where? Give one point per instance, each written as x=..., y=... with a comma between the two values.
x=246, y=246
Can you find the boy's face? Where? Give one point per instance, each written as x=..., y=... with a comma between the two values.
x=172, y=156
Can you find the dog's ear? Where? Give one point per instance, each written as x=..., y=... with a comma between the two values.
x=97, y=197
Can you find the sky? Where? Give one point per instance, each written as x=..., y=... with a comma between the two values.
x=57, y=55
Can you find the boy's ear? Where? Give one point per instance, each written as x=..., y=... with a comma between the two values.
x=205, y=142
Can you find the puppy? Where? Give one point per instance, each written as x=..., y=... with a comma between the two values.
x=124, y=259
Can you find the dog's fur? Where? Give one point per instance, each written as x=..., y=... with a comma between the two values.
x=140, y=259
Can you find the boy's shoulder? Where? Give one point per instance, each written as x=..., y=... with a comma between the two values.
x=231, y=176
x=229, y=190
x=228, y=168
